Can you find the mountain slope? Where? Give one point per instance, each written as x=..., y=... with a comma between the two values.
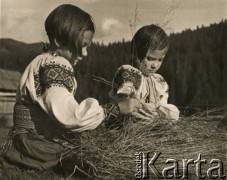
x=16, y=55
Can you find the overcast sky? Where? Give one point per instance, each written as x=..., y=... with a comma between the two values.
x=23, y=20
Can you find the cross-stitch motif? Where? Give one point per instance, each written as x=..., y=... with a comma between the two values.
x=124, y=75
x=53, y=75
x=111, y=110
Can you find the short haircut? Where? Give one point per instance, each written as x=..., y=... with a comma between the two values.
x=66, y=24
x=148, y=37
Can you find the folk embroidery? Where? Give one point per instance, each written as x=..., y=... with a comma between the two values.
x=124, y=75
x=53, y=74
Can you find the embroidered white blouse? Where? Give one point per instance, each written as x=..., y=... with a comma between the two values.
x=153, y=89
x=49, y=82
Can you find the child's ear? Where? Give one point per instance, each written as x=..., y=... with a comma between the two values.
x=56, y=43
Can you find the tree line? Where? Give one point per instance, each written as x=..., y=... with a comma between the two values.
x=195, y=66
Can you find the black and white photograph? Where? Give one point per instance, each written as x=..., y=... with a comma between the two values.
x=113, y=89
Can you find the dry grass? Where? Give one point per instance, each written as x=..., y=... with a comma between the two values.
x=111, y=151
x=19, y=174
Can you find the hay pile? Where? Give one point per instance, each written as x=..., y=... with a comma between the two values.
x=112, y=150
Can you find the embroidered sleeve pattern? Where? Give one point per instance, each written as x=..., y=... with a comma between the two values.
x=124, y=75
x=53, y=74
x=111, y=110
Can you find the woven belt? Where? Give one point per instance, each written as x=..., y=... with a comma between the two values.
x=33, y=119
x=30, y=117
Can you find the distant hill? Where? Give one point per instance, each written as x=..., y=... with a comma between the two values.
x=195, y=66
x=15, y=55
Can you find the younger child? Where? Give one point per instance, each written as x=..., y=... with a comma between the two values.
x=149, y=46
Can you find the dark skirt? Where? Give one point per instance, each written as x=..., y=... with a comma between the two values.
x=33, y=151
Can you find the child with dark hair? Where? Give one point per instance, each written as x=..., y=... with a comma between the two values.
x=46, y=111
x=149, y=46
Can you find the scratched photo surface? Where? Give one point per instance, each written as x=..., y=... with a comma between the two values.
x=194, y=67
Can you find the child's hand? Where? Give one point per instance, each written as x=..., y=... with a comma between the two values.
x=129, y=105
x=141, y=116
x=149, y=108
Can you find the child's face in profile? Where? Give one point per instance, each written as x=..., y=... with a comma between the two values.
x=70, y=55
x=152, y=61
